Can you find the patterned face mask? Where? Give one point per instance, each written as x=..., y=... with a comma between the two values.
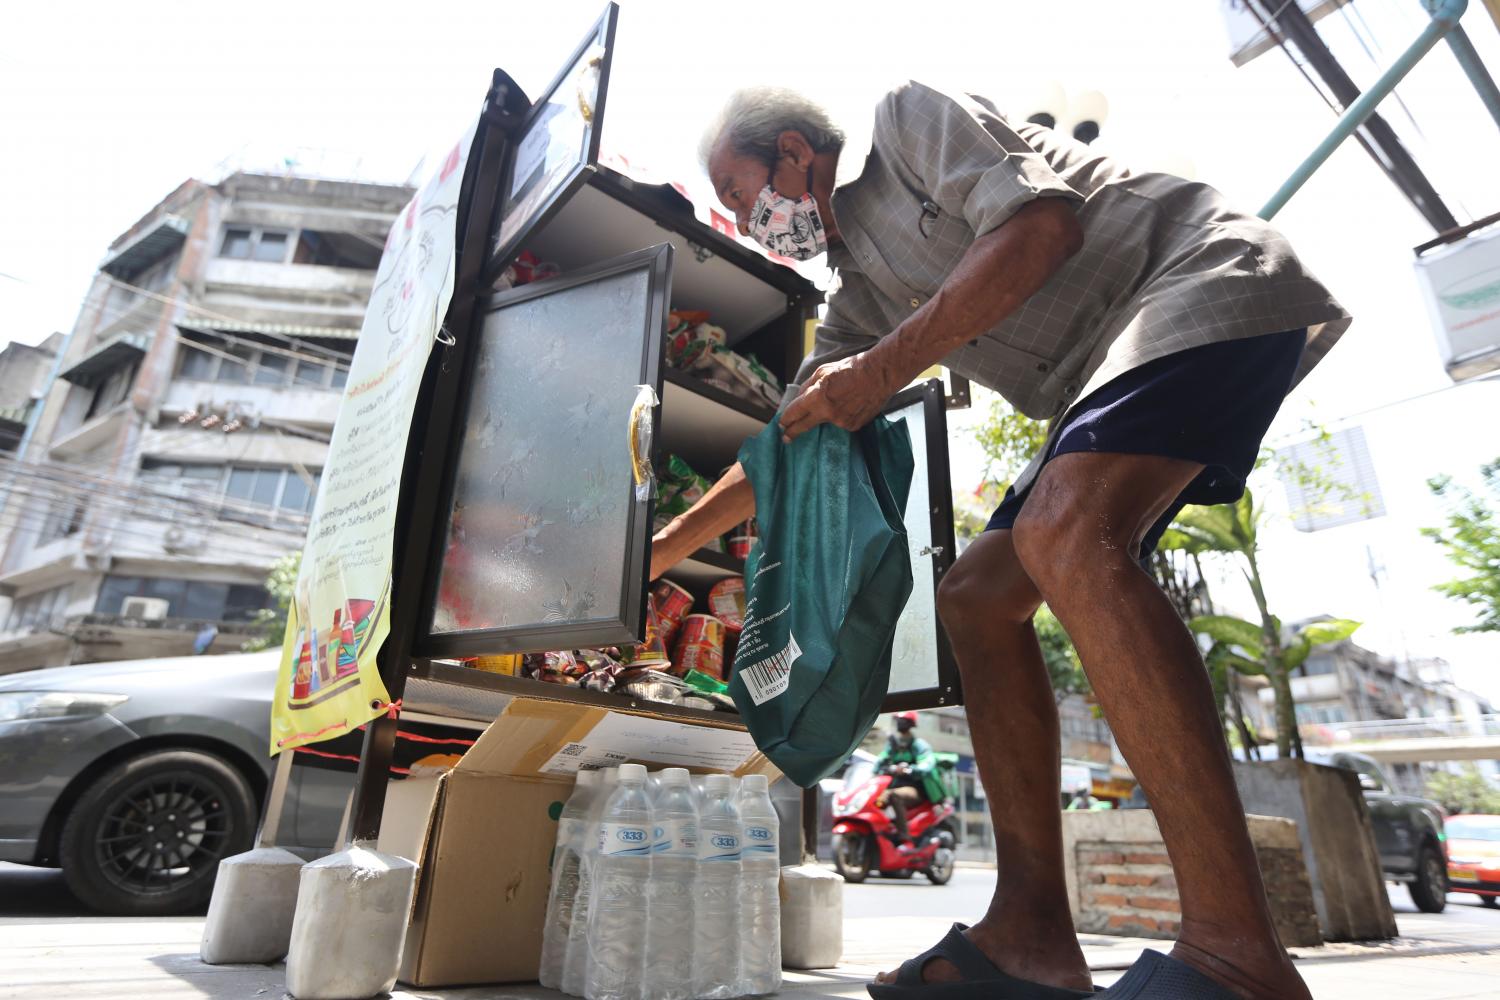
x=790, y=227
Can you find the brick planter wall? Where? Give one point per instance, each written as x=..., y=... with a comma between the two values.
x=1120, y=879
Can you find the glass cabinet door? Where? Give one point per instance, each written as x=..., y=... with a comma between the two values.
x=545, y=537
x=923, y=672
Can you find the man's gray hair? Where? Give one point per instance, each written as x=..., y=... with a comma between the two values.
x=753, y=118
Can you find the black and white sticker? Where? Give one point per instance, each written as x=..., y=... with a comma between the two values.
x=765, y=679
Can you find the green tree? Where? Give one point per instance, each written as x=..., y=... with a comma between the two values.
x=1466, y=792
x=1472, y=541
x=1251, y=648
x=1063, y=665
x=281, y=583
x=1009, y=440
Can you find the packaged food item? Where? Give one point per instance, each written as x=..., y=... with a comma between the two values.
x=690, y=336
x=678, y=488
x=739, y=546
x=672, y=605
x=700, y=703
x=726, y=602
x=653, y=651
x=703, y=683
x=700, y=646
x=504, y=663
x=665, y=694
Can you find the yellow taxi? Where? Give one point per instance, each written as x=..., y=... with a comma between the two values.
x=1474, y=856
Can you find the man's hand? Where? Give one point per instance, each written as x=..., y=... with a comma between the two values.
x=847, y=394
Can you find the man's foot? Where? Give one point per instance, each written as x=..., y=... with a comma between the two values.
x=1272, y=977
x=1052, y=958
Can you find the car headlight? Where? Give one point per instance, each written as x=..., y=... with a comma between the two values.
x=17, y=705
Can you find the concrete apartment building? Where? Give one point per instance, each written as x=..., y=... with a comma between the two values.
x=175, y=456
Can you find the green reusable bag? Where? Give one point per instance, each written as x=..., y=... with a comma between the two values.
x=824, y=585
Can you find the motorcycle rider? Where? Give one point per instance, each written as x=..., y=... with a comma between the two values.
x=913, y=766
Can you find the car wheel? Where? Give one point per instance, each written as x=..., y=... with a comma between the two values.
x=146, y=837
x=1429, y=890
x=1490, y=901
x=851, y=856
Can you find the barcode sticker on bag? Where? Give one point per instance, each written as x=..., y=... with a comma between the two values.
x=770, y=677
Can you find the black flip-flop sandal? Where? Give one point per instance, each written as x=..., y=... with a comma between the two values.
x=1155, y=976
x=982, y=980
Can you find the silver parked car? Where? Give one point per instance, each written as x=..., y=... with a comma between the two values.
x=138, y=777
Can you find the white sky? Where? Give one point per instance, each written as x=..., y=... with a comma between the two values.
x=105, y=108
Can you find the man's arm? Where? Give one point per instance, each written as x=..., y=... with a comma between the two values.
x=727, y=503
x=1000, y=271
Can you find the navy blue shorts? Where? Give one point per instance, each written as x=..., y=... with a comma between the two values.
x=1209, y=404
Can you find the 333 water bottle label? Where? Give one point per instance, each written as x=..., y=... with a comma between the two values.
x=719, y=847
x=677, y=838
x=760, y=840
x=625, y=838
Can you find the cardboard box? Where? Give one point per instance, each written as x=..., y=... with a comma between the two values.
x=483, y=832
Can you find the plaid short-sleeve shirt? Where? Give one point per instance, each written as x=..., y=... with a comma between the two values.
x=1166, y=263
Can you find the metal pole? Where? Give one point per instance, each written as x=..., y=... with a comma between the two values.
x=1479, y=76
x=1445, y=15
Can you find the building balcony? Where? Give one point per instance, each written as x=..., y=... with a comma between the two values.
x=38, y=567
x=291, y=280
x=300, y=405
x=93, y=432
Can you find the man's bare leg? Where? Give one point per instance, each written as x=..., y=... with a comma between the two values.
x=1078, y=537
x=986, y=603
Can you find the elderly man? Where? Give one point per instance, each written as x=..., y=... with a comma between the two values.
x=1160, y=329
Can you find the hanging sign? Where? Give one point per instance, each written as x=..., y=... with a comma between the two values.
x=1461, y=283
x=340, y=612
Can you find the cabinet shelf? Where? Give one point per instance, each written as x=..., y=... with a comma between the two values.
x=704, y=424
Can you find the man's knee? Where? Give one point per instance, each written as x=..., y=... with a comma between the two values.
x=1067, y=531
x=986, y=586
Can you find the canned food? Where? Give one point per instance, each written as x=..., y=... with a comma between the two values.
x=700, y=647
x=672, y=604
x=726, y=602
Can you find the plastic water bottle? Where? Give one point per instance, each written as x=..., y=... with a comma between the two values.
x=716, y=945
x=576, y=958
x=674, y=871
x=617, y=913
x=567, y=860
x=760, y=889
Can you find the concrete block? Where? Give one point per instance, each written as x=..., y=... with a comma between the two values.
x=250, y=915
x=812, y=917
x=1120, y=880
x=352, y=909
x=1337, y=840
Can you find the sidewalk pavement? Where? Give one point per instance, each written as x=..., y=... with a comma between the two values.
x=84, y=958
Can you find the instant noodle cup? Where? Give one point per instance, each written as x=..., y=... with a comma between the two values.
x=739, y=546
x=700, y=647
x=726, y=602
x=672, y=605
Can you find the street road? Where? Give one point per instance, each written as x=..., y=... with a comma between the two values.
x=964, y=899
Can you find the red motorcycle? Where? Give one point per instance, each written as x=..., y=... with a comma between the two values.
x=864, y=835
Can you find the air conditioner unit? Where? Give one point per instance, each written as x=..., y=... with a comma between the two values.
x=149, y=609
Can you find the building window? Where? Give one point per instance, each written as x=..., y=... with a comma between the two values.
x=280, y=489
x=204, y=600
x=284, y=489
x=255, y=243
x=37, y=610
x=239, y=363
x=338, y=250
x=112, y=391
